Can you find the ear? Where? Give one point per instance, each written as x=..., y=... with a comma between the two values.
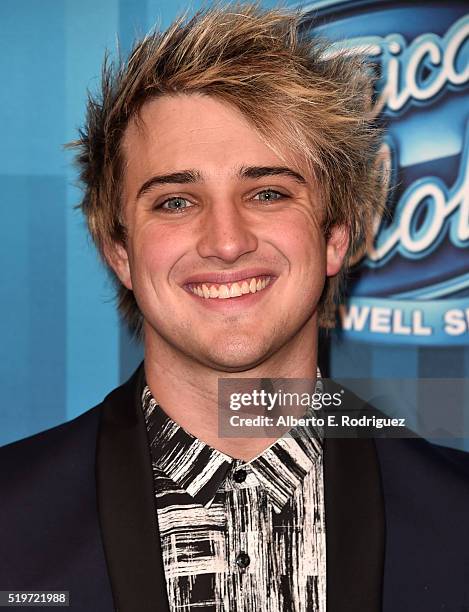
x=118, y=258
x=336, y=248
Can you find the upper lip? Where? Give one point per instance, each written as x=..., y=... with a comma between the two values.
x=221, y=278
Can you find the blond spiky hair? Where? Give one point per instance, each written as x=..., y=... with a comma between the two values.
x=290, y=86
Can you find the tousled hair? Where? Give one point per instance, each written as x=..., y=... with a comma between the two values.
x=296, y=90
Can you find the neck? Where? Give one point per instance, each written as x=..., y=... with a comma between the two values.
x=187, y=389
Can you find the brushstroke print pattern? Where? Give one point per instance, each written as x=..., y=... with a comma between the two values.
x=206, y=518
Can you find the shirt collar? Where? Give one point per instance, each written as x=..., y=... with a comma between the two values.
x=200, y=469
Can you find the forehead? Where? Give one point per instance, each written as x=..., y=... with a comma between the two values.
x=197, y=131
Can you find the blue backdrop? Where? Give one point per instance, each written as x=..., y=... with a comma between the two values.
x=63, y=347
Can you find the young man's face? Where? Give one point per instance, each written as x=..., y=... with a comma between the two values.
x=212, y=211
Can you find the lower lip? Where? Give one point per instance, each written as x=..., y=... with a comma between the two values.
x=235, y=303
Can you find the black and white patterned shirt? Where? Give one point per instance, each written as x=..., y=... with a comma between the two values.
x=239, y=536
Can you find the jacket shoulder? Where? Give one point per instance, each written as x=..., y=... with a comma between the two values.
x=426, y=499
x=55, y=443
x=69, y=441
x=416, y=457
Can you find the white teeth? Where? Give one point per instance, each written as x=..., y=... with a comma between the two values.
x=236, y=290
x=223, y=292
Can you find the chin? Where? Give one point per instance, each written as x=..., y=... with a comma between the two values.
x=238, y=356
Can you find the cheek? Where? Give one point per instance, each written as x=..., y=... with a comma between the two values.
x=304, y=246
x=154, y=252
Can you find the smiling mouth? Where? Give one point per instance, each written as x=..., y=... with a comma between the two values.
x=218, y=291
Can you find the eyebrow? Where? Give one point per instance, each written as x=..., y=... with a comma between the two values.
x=180, y=178
x=255, y=172
x=194, y=176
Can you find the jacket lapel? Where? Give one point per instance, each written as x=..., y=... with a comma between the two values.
x=126, y=503
x=354, y=511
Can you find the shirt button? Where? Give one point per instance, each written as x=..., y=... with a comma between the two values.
x=242, y=560
x=239, y=476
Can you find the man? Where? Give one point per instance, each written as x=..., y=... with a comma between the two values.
x=230, y=176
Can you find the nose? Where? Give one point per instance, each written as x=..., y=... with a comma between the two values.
x=226, y=233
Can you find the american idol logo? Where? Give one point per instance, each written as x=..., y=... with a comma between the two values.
x=412, y=286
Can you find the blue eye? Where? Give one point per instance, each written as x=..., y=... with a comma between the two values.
x=268, y=195
x=175, y=204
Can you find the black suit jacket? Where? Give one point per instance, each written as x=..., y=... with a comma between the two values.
x=77, y=513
